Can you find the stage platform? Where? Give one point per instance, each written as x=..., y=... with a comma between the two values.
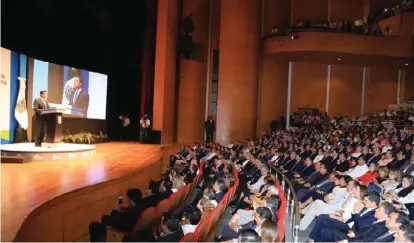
x=55, y=200
x=28, y=152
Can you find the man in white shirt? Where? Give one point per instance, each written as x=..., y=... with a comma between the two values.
x=191, y=219
x=264, y=170
x=319, y=207
x=359, y=170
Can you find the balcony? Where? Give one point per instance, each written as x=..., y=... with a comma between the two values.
x=330, y=47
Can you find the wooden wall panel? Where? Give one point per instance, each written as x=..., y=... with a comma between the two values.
x=380, y=88
x=310, y=10
x=308, y=85
x=346, y=10
x=273, y=91
x=276, y=14
x=240, y=50
x=345, y=94
x=193, y=77
x=375, y=4
x=165, y=70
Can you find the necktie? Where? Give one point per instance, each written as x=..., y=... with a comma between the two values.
x=382, y=237
x=75, y=96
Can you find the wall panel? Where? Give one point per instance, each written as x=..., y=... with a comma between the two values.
x=310, y=10
x=380, y=88
x=308, y=85
x=346, y=10
x=345, y=94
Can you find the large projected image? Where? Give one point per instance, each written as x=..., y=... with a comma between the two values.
x=79, y=93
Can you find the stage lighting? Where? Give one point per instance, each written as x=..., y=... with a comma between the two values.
x=294, y=37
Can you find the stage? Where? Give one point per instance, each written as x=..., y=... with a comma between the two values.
x=30, y=187
x=28, y=152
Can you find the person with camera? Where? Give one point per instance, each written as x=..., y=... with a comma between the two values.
x=125, y=214
x=145, y=124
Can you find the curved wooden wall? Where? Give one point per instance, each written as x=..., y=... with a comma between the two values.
x=66, y=218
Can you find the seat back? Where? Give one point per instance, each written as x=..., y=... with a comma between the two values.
x=202, y=230
x=187, y=238
x=161, y=208
x=144, y=220
x=175, y=198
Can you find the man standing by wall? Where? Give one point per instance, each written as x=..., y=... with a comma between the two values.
x=210, y=127
x=145, y=124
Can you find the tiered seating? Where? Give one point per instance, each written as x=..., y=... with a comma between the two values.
x=152, y=215
x=206, y=229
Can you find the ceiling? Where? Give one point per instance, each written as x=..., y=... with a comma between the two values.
x=88, y=34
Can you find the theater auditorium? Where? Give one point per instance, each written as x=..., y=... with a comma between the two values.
x=207, y=121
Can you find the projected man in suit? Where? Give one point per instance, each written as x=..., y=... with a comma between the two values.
x=80, y=98
x=40, y=104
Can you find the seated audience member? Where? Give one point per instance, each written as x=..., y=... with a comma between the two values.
x=268, y=231
x=323, y=189
x=362, y=217
x=97, y=232
x=191, y=219
x=319, y=207
x=248, y=235
x=177, y=183
x=164, y=192
x=403, y=195
x=393, y=180
x=206, y=207
x=232, y=232
x=395, y=222
x=210, y=194
x=306, y=171
x=398, y=162
x=408, y=167
x=170, y=230
x=367, y=234
x=405, y=234
x=370, y=175
x=124, y=217
x=220, y=189
x=358, y=170
x=317, y=178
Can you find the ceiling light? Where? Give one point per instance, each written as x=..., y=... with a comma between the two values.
x=406, y=64
x=339, y=59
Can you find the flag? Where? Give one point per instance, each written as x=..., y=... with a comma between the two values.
x=20, y=111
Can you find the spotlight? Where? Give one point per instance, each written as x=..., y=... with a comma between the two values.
x=406, y=64
x=294, y=37
x=339, y=59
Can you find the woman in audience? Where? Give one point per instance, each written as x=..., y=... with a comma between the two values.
x=268, y=231
x=394, y=179
x=383, y=172
x=177, y=182
x=370, y=175
x=206, y=207
x=402, y=195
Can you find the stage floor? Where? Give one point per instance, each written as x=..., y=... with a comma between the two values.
x=26, y=186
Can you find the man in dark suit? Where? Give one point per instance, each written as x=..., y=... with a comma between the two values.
x=408, y=167
x=40, y=104
x=210, y=127
x=164, y=191
x=367, y=234
x=80, y=98
x=364, y=217
x=123, y=217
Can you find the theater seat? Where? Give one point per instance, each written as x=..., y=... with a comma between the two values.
x=187, y=238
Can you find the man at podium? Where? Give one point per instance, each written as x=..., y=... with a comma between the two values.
x=40, y=104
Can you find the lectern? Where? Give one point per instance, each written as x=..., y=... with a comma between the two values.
x=53, y=119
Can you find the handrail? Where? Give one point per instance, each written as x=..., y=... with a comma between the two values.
x=292, y=204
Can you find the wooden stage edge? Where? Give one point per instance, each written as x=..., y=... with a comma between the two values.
x=56, y=200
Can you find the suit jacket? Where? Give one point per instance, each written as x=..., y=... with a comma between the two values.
x=210, y=126
x=307, y=171
x=396, y=164
x=171, y=237
x=39, y=105
x=154, y=199
x=374, y=159
x=371, y=233
x=407, y=168
x=81, y=103
x=361, y=222
x=126, y=220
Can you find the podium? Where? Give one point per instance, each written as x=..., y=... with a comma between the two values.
x=53, y=119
